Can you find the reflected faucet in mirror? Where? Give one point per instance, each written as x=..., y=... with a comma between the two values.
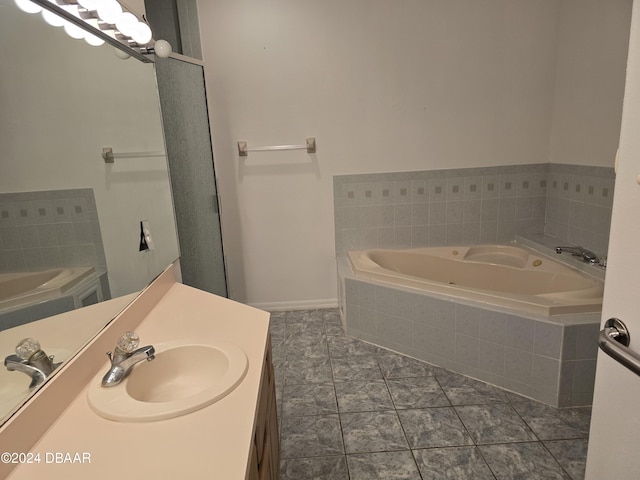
x=124, y=357
x=31, y=360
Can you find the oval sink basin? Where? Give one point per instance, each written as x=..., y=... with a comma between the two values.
x=181, y=379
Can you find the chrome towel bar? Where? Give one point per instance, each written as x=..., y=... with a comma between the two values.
x=309, y=146
x=614, y=340
x=109, y=156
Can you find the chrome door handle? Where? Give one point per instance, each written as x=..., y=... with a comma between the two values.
x=614, y=340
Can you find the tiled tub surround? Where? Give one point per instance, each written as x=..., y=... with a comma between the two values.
x=550, y=359
x=579, y=201
x=353, y=411
x=49, y=229
x=473, y=205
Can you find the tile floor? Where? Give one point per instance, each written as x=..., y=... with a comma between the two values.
x=352, y=411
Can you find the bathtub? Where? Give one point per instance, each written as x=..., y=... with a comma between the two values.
x=26, y=288
x=503, y=314
x=511, y=276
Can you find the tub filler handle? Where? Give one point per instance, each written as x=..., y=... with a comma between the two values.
x=614, y=340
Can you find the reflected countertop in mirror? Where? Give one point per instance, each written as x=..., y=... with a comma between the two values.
x=60, y=336
x=61, y=205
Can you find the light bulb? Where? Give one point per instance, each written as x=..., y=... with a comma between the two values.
x=127, y=24
x=52, y=19
x=121, y=54
x=109, y=11
x=28, y=6
x=92, y=40
x=142, y=33
x=162, y=48
x=74, y=31
x=89, y=4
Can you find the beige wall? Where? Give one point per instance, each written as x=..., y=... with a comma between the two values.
x=383, y=86
x=592, y=55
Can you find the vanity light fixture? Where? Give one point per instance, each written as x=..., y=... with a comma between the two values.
x=28, y=6
x=100, y=21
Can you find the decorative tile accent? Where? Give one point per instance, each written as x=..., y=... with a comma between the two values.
x=536, y=189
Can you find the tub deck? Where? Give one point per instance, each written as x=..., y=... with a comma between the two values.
x=24, y=288
x=511, y=276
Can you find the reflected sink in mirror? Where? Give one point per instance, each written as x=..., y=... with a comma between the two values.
x=181, y=379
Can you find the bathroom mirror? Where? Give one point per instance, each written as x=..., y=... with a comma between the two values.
x=61, y=205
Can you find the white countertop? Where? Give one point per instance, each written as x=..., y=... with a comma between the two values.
x=212, y=443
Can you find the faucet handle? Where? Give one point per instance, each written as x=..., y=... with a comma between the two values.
x=27, y=347
x=128, y=342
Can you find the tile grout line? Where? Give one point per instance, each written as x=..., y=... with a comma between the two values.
x=333, y=380
x=376, y=356
x=475, y=443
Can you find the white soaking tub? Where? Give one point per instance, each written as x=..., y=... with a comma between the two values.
x=511, y=276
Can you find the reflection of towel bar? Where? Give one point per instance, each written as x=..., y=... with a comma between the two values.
x=109, y=156
x=310, y=147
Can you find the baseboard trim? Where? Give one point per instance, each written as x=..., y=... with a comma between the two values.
x=296, y=305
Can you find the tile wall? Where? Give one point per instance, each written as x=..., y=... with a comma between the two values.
x=579, y=201
x=473, y=205
x=48, y=229
x=552, y=362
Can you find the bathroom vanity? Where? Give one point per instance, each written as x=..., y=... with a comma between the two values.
x=59, y=435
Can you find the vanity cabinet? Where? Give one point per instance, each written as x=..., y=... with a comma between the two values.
x=264, y=463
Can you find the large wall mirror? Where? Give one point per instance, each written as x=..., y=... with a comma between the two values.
x=62, y=207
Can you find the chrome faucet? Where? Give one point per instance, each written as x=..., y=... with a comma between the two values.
x=125, y=356
x=31, y=360
x=577, y=251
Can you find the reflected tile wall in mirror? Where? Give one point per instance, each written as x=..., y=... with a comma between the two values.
x=48, y=229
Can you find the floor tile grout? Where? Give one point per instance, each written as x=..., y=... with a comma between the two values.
x=289, y=332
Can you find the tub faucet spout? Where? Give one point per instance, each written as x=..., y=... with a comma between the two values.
x=586, y=255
